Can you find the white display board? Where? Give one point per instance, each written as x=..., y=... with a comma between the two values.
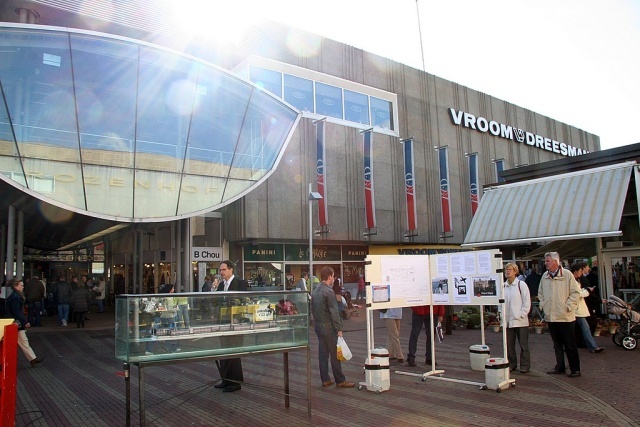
x=461, y=278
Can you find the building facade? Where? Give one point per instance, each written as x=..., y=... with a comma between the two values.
x=399, y=155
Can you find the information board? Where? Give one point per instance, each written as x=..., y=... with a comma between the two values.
x=461, y=278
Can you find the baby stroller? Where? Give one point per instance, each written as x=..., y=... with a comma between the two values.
x=629, y=331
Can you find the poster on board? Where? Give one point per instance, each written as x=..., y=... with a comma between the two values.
x=398, y=280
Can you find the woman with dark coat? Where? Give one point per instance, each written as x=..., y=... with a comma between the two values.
x=81, y=299
x=15, y=310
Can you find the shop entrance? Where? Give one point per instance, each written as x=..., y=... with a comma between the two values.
x=622, y=273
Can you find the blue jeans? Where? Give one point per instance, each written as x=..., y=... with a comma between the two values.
x=63, y=312
x=327, y=350
x=100, y=305
x=183, y=315
x=586, y=333
x=34, y=313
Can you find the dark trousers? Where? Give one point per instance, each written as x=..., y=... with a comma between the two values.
x=231, y=369
x=522, y=334
x=34, y=313
x=327, y=351
x=564, y=341
x=80, y=317
x=416, y=327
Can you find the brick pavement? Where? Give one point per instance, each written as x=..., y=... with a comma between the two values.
x=80, y=384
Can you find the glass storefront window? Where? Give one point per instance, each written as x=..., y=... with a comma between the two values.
x=328, y=100
x=381, y=113
x=264, y=274
x=298, y=92
x=356, y=107
x=267, y=79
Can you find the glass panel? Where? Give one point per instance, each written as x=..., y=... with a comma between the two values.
x=381, y=113
x=266, y=127
x=356, y=107
x=105, y=74
x=36, y=79
x=7, y=142
x=109, y=190
x=151, y=327
x=499, y=169
x=199, y=193
x=328, y=100
x=155, y=194
x=67, y=181
x=264, y=276
x=267, y=79
x=11, y=168
x=221, y=105
x=167, y=87
x=235, y=187
x=298, y=92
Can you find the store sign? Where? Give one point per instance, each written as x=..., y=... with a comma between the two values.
x=206, y=254
x=461, y=118
x=354, y=253
x=320, y=253
x=263, y=252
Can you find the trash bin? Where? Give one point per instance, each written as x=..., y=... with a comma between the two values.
x=377, y=370
x=478, y=354
x=496, y=373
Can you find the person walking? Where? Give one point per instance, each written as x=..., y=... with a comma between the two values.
x=15, y=309
x=559, y=294
x=99, y=289
x=81, y=300
x=328, y=327
x=34, y=293
x=392, y=317
x=63, y=295
x=421, y=315
x=517, y=305
x=582, y=313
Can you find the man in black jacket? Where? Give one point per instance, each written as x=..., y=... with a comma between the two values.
x=230, y=369
x=63, y=294
x=34, y=292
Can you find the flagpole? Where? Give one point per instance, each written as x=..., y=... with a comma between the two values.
x=420, y=33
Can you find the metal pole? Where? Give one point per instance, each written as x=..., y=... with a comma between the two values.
x=310, y=240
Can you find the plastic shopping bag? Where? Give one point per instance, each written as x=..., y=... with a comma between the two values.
x=439, y=333
x=344, y=353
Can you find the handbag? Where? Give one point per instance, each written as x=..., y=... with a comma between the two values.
x=344, y=353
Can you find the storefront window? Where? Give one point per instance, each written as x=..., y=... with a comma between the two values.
x=264, y=274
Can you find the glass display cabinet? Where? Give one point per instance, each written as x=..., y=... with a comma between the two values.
x=154, y=329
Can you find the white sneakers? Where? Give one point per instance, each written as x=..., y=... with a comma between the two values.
x=148, y=353
x=64, y=322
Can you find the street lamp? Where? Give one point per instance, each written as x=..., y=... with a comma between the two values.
x=313, y=196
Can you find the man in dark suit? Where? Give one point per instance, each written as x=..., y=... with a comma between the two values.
x=230, y=369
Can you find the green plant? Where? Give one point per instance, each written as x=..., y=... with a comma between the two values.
x=474, y=321
x=471, y=309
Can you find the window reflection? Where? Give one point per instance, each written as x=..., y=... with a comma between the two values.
x=267, y=80
x=298, y=92
x=356, y=107
x=328, y=100
x=381, y=113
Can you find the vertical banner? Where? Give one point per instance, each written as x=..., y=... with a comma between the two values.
x=410, y=185
x=323, y=214
x=445, y=200
x=369, y=202
x=473, y=182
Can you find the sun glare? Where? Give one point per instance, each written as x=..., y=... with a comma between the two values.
x=219, y=22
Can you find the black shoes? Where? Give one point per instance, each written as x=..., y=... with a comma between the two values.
x=597, y=350
x=36, y=361
x=411, y=363
x=574, y=374
x=221, y=384
x=555, y=372
x=231, y=388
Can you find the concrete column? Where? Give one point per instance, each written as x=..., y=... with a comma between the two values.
x=11, y=241
x=187, y=274
x=20, y=246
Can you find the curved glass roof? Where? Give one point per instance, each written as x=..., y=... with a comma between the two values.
x=121, y=129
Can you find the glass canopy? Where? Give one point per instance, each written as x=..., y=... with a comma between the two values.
x=122, y=129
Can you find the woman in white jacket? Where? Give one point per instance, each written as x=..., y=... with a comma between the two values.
x=583, y=312
x=516, y=315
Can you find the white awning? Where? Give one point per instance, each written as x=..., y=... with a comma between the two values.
x=575, y=205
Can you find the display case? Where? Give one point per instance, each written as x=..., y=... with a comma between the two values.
x=165, y=327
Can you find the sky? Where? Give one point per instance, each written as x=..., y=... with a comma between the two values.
x=576, y=61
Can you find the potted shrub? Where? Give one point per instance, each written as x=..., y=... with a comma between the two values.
x=538, y=325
